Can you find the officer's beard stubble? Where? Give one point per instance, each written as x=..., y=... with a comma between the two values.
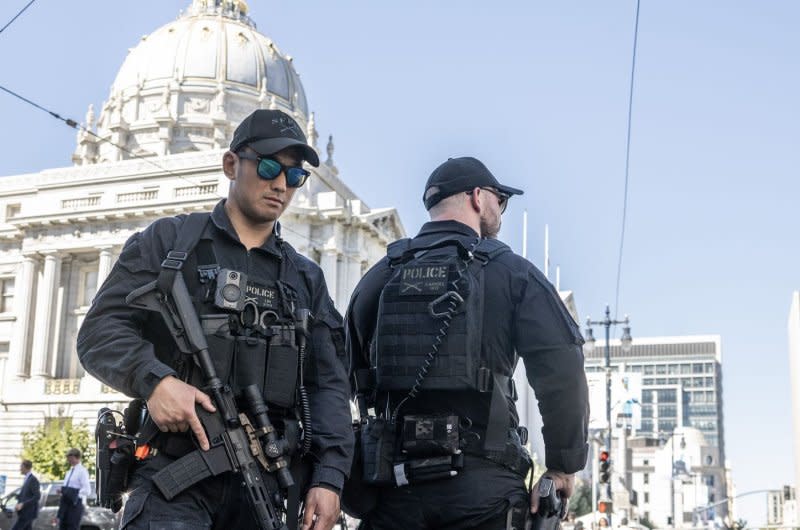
x=489, y=229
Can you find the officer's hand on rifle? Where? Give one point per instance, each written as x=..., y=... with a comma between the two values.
x=321, y=509
x=171, y=406
x=564, y=484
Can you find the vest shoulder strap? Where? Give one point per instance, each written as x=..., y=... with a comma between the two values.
x=185, y=242
x=190, y=232
x=404, y=250
x=396, y=250
x=488, y=249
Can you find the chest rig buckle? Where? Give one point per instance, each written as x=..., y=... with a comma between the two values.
x=175, y=260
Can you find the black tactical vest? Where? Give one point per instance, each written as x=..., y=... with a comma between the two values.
x=254, y=342
x=430, y=317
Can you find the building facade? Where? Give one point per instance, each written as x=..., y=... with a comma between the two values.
x=677, y=481
x=154, y=150
x=782, y=508
x=681, y=382
x=667, y=426
x=794, y=377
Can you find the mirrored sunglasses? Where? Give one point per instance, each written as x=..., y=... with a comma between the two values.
x=269, y=169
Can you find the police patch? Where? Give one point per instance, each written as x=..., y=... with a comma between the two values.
x=423, y=280
x=262, y=296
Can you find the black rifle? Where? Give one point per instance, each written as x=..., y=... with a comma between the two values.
x=236, y=445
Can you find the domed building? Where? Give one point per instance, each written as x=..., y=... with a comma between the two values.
x=154, y=149
x=186, y=86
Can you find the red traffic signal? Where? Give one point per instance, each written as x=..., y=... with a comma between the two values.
x=605, y=506
x=605, y=467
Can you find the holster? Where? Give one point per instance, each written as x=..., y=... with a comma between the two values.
x=514, y=455
x=115, y=453
x=519, y=517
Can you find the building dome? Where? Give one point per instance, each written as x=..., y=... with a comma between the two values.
x=188, y=84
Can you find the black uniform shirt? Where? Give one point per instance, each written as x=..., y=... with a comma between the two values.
x=113, y=348
x=523, y=314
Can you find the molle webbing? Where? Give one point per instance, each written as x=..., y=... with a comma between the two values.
x=407, y=329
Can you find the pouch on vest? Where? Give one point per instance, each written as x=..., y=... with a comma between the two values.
x=280, y=380
x=377, y=445
x=430, y=435
x=216, y=330
x=251, y=361
x=358, y=498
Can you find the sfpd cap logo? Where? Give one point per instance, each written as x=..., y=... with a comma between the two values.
x=287, y=127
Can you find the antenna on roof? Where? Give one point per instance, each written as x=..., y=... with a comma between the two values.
x=525, y=234
x=547, y=251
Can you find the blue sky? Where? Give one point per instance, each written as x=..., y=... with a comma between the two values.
x=539, y=92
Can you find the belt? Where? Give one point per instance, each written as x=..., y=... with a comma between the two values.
x=514, y=456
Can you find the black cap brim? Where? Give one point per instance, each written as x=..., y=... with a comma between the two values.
x=508, y=190
x=270, y=146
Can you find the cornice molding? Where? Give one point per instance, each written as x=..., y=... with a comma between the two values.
x=199, y=162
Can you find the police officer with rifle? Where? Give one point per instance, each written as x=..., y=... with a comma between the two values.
x=435, y=331
x=232, y=347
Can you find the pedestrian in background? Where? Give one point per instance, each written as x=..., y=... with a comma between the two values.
x=73, y=493
x=27, y=507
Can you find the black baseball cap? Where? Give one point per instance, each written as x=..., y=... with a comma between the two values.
x=462, y=174
x=269, y=131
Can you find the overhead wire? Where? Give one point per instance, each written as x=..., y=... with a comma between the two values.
x=627, y=162
x=75, y=125
x=17, y=16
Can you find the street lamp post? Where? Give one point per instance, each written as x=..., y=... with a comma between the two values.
x=626, y=342
x=672, y=476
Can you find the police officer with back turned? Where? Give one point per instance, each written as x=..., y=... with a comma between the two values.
x=434, y=331
x=271, y=330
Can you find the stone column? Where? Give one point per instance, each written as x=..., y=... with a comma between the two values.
x=45, y=313
x=341, y=283
x=353, y=277
x=106, y=261
x=328, y=263
x=22, y=327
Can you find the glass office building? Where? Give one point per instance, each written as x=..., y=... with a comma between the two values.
x=681, y=383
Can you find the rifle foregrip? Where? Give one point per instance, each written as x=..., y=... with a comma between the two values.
x=264, y=510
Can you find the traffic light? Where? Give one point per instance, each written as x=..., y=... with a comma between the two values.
x=605, y=467
x=605, y=507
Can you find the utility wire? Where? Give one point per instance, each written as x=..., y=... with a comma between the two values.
x=17, y=16
x=75, y=125
x=627, y=160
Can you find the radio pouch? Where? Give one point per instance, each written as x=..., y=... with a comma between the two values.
x=377, y=444
x=281, y=376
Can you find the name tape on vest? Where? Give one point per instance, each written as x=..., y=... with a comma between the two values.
x=263, y=297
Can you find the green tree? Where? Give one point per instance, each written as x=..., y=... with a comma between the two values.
x=581, y=500
x=47, y=444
